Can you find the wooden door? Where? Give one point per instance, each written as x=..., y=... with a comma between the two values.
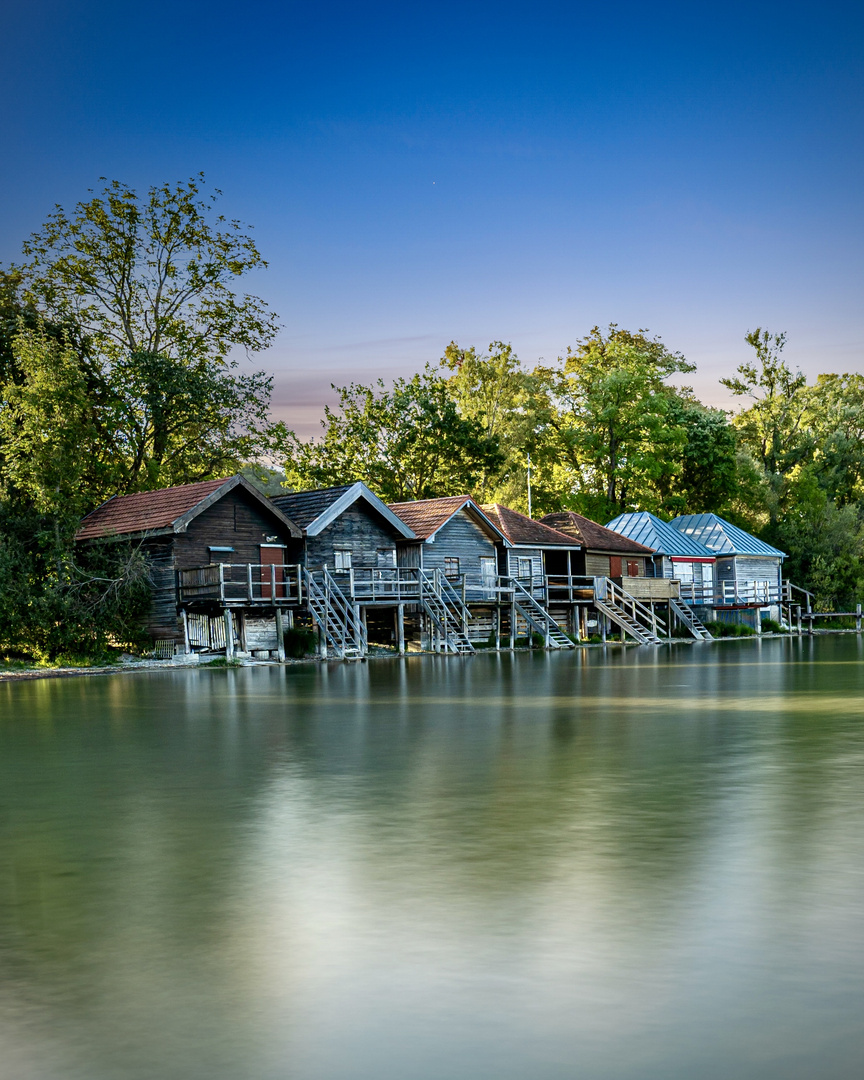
x=615, y=566
x=272, y=555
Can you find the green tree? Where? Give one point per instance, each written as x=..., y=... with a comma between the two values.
x=612, y=439
x=836, y=425
x=147, y=285
x=774, y=427
x=494, y=390
x=707, y=479
x=407, y=441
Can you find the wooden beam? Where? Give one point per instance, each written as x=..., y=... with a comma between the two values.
x=280, y=636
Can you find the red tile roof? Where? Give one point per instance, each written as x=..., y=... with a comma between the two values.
x=592, y=536
x=145, y=511
x=520, y=529
x=426, y=516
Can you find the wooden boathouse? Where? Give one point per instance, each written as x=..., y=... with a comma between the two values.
x=214, y=546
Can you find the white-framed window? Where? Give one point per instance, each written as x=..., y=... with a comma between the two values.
x=451, y=567
x=342, y=560
x=524, y=567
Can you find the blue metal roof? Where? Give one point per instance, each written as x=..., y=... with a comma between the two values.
x=651, y=531
x=722, y=536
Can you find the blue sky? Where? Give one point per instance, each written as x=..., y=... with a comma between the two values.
x=422, y=172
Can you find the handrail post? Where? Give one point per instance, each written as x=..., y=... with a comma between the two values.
x=249, y=581
x=273, y=582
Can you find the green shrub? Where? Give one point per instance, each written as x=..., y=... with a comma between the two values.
x=725, y=629
x=299, y=642
x=771, y=626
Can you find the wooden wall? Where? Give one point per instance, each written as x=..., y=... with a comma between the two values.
x=463, y=539
x=237, y=521
x=360, y=530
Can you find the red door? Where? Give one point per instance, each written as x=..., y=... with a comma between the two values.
x=614, y=566
x=272, y=555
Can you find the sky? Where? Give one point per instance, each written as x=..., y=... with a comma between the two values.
x=427, y=172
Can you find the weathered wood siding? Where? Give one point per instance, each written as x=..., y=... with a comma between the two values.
x=408, y=553
x=596, y=565
x=515, y=554
x=237, y=521
x=755, y=568
x=162, y=618
x=360, y=530
x=647, y=588
x=462, y=539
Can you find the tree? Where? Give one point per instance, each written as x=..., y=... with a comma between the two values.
x=614, y=439
x=494, y=390
x=407, y=442
x=142, y=287
x=773, y=428
x=708, y=477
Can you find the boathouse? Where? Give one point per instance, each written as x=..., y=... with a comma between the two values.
x=455, y=539
x=603, y=552
x=213, y=544
x=676, y=555
x=748, y=571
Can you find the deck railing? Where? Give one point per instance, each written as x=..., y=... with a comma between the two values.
x=242, y=583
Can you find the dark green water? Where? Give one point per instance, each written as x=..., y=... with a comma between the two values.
x=644, y=864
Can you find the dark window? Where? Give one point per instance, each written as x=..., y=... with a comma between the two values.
x=451, y=568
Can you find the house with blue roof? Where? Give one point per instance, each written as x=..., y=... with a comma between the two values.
x=676, y=555
x=748, y=570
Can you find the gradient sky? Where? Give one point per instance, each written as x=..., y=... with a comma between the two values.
x=422, y=172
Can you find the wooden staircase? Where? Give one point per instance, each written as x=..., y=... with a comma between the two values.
x=638, y=622
x=687, y=616
x=537, y=617
x=435, y=599
x=344, y=632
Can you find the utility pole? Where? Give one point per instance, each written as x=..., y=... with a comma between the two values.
x=529, y=485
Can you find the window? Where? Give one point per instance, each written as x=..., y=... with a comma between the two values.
x=386, y=557
x=342, y=560
x=524, y=568
x=451, y=568
x=219, y=554
x=633, y=569
x=683, y=571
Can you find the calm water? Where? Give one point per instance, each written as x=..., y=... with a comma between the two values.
x=634, y=865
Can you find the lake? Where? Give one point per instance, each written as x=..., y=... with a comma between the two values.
x=625, y=863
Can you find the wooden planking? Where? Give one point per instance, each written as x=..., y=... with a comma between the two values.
x=596, y=565
x=235, y=521
x=360, y=530
x=515, y=554
x=463, y=539
x=753, y=568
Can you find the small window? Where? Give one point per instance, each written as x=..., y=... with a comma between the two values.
x=632, y=569
x=451, y=568
x=386, y=558
x=220, y=554
x=525, y=568
x=342, y=560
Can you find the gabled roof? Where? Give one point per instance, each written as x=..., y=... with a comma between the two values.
x=168, y=510
x=722, y=537
x=315, y=510
x=426, y=516
x=648, y=529
x=592, y=536
x=523, y=530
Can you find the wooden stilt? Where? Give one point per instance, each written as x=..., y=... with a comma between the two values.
x=280, y=636
x=229, y=635
x=187, y=648
x=497, y=618
x=400, y=628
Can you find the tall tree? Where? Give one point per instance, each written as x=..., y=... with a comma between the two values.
x=407, y=441
x=614, y=438
x=774, y=427
x=146, y=283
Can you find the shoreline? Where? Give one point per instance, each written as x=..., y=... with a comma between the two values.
x=181, y=663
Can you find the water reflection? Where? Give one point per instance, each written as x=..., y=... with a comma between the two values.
x=620, y=863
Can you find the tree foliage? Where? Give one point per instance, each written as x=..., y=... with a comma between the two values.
x=407, y=441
